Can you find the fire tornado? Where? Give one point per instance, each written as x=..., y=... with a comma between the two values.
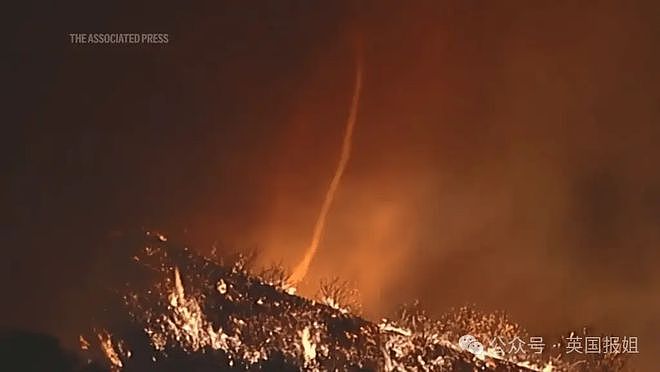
x=301, y=269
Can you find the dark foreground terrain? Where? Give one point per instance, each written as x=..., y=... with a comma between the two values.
x=174, y=310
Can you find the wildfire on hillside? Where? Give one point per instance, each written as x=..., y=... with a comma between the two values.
x=185, y=311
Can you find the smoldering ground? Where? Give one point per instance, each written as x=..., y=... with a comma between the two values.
x=504, y=155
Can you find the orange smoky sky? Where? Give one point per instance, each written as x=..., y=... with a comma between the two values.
x=504, y=155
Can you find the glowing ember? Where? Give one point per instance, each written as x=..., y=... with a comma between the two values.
x=309, y=347
x=84, y=344
x=186, y=323
x=108, y=348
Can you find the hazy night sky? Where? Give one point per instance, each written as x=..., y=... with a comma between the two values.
x=506, y=155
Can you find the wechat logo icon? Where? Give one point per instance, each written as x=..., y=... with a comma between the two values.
x=469, y=343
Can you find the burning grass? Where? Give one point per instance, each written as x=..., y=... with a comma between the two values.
x=181, y=311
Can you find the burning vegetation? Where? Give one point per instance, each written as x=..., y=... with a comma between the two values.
x=181, y=311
